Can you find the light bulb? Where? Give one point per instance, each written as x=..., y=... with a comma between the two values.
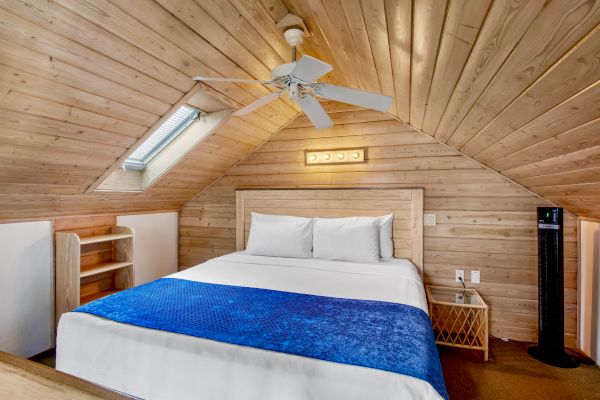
x=340, y=156
x=313, y=157
x=355, y=155
x=327, y=156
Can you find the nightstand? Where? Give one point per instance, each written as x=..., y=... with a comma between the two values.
x=459, y=317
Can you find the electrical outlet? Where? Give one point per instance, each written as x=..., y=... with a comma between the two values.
x=459, y=298
x=475, y=277
x=459, y=274
x=429, y=219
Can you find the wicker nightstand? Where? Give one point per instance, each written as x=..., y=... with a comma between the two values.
x=459, y=317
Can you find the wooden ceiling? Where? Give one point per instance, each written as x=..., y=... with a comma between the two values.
x=511, y=83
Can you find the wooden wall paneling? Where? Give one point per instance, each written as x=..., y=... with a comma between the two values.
x=463, y=23
x=52, y=69
x=557, y=120
x=506, y=22
x=215, y=43
x=501, y=80
x=577, y=139
x=256, y=49
x=327, y=32
x=577, y=70
x=276, y=11
x=20, y=121
x=399, y=24
x=428, y=23
x=32, y=85
x=559, y=27
x=583, y=159
x=484, y=222
x=52, y=30
x=353, y=13
x=258, y=16
x=375, y=19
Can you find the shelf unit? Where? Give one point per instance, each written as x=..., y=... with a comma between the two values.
x=76, y=284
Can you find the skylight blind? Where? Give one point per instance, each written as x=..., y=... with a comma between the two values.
x=163, y=135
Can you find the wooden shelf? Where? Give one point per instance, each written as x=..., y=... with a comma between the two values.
x=95, y=296
x=104, y=238
x=104, y=267
x=87, y=273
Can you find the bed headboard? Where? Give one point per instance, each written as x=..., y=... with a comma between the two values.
x=405, y=203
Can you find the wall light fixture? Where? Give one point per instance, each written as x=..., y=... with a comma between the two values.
x=336, y=156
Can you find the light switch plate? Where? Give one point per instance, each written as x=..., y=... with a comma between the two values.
x=429, y=219
x=459, y=273
x=475, y=277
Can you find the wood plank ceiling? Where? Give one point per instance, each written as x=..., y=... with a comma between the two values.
x=511, y=83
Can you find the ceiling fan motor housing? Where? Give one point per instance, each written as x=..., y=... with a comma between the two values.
x=293, y=36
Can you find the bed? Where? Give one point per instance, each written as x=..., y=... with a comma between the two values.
x=163, y=364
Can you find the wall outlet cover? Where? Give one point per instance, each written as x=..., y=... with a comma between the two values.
x=459, y=273
x=429, y=220
x=475, y=277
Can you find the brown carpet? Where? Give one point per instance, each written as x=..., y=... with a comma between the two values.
x=512, y=374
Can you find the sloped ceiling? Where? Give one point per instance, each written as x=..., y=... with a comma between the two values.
x=511, y=83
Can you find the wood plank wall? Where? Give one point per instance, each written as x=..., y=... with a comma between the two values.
x=484, y=222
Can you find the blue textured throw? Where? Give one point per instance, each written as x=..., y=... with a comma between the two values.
x=375, y=334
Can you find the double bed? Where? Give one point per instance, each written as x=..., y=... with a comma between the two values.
x=160, y=362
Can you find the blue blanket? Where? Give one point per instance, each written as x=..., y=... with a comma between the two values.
x=374, y=334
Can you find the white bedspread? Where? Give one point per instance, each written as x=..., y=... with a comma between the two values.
x=162, y=365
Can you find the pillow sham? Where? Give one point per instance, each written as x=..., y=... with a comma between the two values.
x=280, y=236
x=346, y=239
x=386, y=244
x=385, y=222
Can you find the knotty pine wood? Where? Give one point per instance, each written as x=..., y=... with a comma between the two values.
x=484, y=222
x=82, y=81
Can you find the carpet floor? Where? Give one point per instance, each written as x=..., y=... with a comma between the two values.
x=510, y=374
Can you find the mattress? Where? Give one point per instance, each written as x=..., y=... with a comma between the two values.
x=156, y=364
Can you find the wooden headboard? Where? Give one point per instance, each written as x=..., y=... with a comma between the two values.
x=406, y=204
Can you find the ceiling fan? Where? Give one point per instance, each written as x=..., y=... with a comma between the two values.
x=298, y=79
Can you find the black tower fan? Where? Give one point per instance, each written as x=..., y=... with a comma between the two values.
x=551, y=340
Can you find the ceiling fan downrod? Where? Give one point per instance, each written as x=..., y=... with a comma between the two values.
x=293, y=36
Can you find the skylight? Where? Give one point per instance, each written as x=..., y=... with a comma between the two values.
x=161, y=137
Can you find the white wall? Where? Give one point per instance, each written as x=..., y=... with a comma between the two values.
x=155, y=244
x=589, y=289
x=26, y=287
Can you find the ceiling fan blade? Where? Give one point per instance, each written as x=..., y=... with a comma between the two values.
x=314, y=111
x=263, y=101
x=309, y=69
x=211, y=79
x=355, y=97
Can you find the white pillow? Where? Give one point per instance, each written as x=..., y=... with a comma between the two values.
x=280, y=236
x=346, y=239
x=386, y=244
x=385, y=222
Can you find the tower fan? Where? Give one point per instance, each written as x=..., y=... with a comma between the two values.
x=551, y=331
